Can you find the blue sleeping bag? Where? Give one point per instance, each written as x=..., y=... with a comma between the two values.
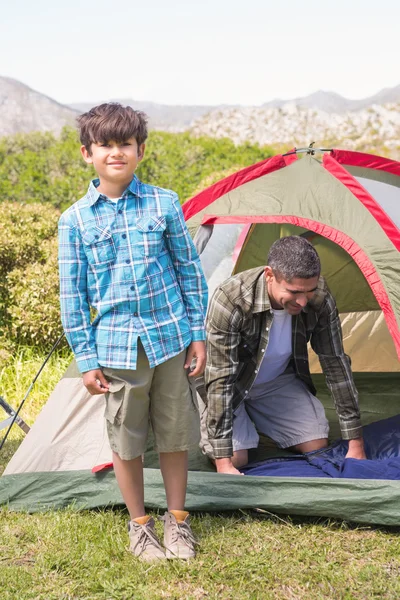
x=382, y=447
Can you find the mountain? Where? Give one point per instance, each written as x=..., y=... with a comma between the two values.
x=372, y=127
x=335, y=103
x=161, y=116
x=327, y=101
x=23, y=109
x=323, y=116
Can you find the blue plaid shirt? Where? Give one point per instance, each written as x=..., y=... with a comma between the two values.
x=134, y=262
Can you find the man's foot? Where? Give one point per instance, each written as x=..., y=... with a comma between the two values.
x=179, y=540
x=144, y=542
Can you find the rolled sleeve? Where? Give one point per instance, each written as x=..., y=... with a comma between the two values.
x=327, y=342
x=223, y=336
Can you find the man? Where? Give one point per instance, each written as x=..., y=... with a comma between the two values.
x=257, y=376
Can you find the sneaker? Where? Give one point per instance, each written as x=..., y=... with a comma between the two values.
x=179, y=540
x=144, y=542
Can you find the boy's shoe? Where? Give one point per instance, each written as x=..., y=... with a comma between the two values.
x=179, y=540
x=144, y=542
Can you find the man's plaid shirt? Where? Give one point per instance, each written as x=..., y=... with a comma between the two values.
x=238, y=324
x=135, y=264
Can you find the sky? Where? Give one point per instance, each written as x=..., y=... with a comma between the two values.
x=200, y=51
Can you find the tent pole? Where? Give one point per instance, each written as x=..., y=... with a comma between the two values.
x=15, y=416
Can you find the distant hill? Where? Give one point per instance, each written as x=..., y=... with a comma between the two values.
x=323, y=116
x=161, y=116
x=23, y=109
x=372, y=128
x=335, y=103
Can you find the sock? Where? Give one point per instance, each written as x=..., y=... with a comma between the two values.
x=180, y=515
x=142, y=520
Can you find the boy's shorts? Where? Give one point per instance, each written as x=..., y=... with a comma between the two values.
x=283, y=409
x=161, y=395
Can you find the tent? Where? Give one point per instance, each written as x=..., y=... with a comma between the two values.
x=348, y=205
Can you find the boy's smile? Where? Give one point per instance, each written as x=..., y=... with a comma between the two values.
x=115, y=163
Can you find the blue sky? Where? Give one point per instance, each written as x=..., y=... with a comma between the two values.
x=200, y=52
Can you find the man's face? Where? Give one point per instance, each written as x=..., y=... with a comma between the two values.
x=114, y=162
x=291, y=295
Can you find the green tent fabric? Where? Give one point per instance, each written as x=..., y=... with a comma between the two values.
x=348, y=206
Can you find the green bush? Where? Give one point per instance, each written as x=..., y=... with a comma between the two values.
x=39, y=167
x=34, y=308
x=23, y=230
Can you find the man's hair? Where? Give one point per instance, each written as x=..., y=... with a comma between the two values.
x=293, y=257
x=112, y=122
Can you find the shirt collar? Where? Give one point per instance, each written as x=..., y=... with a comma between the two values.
x=261, y=298
x=93, y=194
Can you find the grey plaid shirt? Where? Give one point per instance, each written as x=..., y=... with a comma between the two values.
x=238, y=324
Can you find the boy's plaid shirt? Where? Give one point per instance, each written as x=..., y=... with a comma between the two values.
x=134, y=262
x=238, y=324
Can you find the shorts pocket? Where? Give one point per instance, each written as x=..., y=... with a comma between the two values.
x=150, y=235
x=114, y=402
x=99, y=247
x=194, y=404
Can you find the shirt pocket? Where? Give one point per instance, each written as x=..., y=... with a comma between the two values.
x=150, y=235
x=99, y=247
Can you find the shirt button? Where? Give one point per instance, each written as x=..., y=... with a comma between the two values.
x=262, y=349
x=246, y=392
x=120, y=212
x=128, y=261
x=132, y=287
x=150, y=227
x=97, y=236
x=124, y=236
x=256, y=371
x=245, y=346
x=267, y=329
x=135, y=314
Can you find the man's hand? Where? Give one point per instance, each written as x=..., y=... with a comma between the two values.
x=95, y=382
x=356, y=449
x=224, y=465
x=196, y=350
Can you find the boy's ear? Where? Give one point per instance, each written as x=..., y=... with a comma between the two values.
x=87, y=157
x=141, y=150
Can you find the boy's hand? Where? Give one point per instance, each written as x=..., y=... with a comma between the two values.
x=196, y=350
x=95, y=382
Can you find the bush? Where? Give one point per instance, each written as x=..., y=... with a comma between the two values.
x=23, y=229
x=34, y=308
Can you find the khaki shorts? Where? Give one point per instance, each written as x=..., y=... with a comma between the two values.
x=162, y=396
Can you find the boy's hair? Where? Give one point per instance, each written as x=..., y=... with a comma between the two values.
x=112, y=122
x=293, y=257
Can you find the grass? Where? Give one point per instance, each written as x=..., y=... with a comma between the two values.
x=71, y=555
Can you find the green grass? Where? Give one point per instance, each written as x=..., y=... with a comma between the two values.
x=71, y=555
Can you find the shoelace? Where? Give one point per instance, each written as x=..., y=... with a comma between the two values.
x=183, y=531
x=147, y=537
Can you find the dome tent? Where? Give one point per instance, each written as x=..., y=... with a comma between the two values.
x=348, y=205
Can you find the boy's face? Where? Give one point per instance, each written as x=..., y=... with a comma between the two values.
x=114, y=162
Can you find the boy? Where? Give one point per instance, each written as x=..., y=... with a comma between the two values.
x=125, y=251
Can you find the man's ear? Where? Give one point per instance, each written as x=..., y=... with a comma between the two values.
x=87, y=156
x=141, y=150
x=269, y=274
